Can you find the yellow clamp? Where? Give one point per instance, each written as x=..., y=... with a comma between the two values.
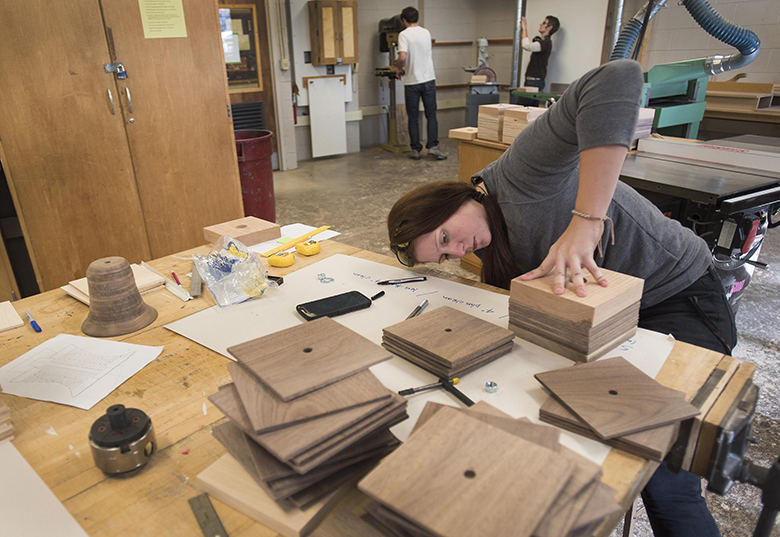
x=308, y=248
x=281, y=259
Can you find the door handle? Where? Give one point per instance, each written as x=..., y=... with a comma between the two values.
x=111, y=98
x=129, y=100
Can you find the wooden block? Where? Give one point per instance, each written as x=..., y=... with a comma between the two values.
x=9, y=319
x=741, y=87
x=523, y=113
x=478, y=79
x=464, y=133
x=227, y=481
x=712, y=422
x=450, y=336
x=565, y=350
x=395, y=524
x=614, y=398
x=528, y=89
x=344, y=523
x=319, y=439
x=440, y=370
x=652, y=444
x=541, y=435
x=600, y=304
x=459, y=476
x=304, y=358
x=248, y=230
x=146, y=281
x=739, y=100
x=705, y=399
x=267, y=412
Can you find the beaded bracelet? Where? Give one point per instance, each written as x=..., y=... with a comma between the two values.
x=587, y=216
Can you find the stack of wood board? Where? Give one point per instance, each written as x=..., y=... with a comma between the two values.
x=249, y=230
x=447, y=342
x=306, y=414
x=579, y=328
x=739, y=100
x=516, y=119
x=9, y=319
x=644, y=123
x=613, y=401
x=480, y=472
x=463, y=133
x=6, y=427
x=490, y=121
x=146, y=281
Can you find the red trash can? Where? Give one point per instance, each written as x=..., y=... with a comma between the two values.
x=256, y=170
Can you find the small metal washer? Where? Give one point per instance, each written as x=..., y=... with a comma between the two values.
x=491, y=387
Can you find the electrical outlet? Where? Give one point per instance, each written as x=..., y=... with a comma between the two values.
x=285, y=64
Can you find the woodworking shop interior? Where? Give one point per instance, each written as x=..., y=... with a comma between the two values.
x=182, y=180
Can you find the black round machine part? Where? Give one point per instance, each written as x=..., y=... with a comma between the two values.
x=119, y=427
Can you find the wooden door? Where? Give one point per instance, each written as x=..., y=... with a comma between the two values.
x=348, y=31
x=181, y=136
x=66, y=155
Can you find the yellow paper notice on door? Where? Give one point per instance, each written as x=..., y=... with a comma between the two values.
x=162, y=18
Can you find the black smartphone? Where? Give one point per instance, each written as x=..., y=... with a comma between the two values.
x=333, y=305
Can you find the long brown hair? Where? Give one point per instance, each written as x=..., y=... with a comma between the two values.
x=427, y=207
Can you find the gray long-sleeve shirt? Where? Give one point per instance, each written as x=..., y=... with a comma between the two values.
x=536, y=183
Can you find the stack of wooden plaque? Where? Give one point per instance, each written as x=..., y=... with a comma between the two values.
x=447, y=342
x=306, y=414
x=579, y=328
x=481, y=472
x=516, y=119
x=490, y=121
x=463, y=133
x=6, y=427
x=614, y=402
x=644, y=123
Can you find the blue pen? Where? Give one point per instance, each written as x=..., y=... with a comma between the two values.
x=32, y=321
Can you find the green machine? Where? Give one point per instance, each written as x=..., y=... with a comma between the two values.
x=676, y=90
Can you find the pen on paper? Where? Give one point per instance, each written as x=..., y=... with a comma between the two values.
x=32, y=322
x=403, y=280
x=418, y=309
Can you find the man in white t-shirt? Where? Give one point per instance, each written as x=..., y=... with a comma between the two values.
x=415, y=61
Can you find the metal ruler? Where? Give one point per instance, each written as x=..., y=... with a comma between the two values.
x=207, y=517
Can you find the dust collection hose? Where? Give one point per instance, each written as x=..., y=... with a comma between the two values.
x=744, y=40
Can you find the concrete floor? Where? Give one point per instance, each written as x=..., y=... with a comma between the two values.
x=354, y=193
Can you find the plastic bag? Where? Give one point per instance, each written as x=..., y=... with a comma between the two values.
x=232, y=273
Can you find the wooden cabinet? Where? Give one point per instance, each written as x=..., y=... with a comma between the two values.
x=100, y=165
x=333, y=32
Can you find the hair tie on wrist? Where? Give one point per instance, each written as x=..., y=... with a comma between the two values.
x=587, y=216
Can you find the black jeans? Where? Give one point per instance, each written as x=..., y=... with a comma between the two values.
x=702, y=316
x=412, y=95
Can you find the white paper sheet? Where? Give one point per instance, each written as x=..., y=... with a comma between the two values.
x=74, y=370
x=519, y=393
x=27, y=506
x=292, y=231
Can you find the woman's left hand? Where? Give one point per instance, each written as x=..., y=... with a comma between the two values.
x=573, y=250
x=599, y=172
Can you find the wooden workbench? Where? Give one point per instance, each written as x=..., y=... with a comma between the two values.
x=172, y=390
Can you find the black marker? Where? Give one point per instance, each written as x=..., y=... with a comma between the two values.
x=403, y=280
